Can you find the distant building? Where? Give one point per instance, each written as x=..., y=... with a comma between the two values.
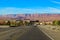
x=27, y=20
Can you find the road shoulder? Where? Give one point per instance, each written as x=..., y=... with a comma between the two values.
x=53, y=34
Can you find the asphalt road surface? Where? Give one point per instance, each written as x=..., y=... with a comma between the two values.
x=34, y=34
x=13, y=33
x=22, y=33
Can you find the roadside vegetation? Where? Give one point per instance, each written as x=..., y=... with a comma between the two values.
x=13, y=23
x=27, y=23
x=56, y=22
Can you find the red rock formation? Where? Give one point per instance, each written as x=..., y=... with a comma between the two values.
x=40, y=17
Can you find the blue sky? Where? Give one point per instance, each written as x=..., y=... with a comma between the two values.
x=29, y=6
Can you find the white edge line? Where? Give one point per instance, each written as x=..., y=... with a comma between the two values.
x=46, y=34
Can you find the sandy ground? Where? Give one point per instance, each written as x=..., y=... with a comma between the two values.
x=4, y=26
x=52, y=31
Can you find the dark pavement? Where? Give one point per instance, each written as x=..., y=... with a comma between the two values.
x=12, y=33
x=34, y=34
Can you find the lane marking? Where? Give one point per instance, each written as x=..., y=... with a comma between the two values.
x=12, y=32
x=8, y=31
x=46, y=33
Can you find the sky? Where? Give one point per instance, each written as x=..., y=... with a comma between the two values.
x=29, y=6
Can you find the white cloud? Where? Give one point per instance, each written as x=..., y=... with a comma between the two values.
x=51, y=10
x=55, y=2
x=28, y=10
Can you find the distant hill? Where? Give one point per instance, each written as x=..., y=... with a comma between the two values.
x=40, y=17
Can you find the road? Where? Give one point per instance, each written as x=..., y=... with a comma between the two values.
x=13, y=32
x=23, y=33
x=34, y=34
